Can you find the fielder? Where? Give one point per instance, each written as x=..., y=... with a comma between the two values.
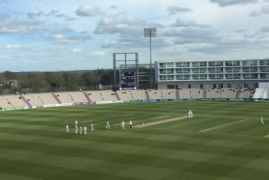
x=190, y=114
x=107, y=125
x=67, y=128
x=92, y=128
x=122, y=124
x=85, y=130
x=80, y=130
x=262, y=120
x=76, y=122
x=76, y=129
x=131, y=123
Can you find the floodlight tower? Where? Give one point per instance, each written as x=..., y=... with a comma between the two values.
x=150, y=32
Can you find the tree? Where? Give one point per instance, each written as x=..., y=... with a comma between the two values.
x=92, y=78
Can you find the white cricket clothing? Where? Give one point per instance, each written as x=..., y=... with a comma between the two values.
x=80, y=130
x=76, y=123
x=67, y=128
x=131, y=123
x=107, y=125
x=85, y=130
x=76, y=129
x=262, y=120
x=122, y=124
x=92, y=127
x=190, y=114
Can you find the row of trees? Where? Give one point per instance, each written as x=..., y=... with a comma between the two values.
x=71, y=80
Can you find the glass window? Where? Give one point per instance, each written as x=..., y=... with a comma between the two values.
x=220, y=85
x=212, y=76
x=178, y=64
x=187, y=77
x=228, y=69
x=187, y=70
x=237, y=69
x=214, y=86
x=195, y=64
x=236, y=63
x=264, y=69
x=162, y=71
x=195, y=70
x=229, y=85
x=170, y=64
x=170, y=71
x=264, y=76
x=246, y=85
x=219, y=70
x=219, y=76
x=162, y=77
x=253, y=69
x=179, y=77
x=246, y=69
x=202, y=70
x=229, y=76
x=195, y=77
x=211, y=70
x=203, y=76
x=228, y=63
x=264, y=62
x=211, y=63
x=219, y=63
x=249, y=63
x=202, y=64
x=179, y=71
x=162, y=65
x=186, y=64
x=236, y=76
x=189, y=86
x=170, y=77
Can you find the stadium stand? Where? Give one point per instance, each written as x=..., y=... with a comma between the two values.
x=34, y=99
x=78, y=97
x=184, y=94
x=4, y=103
x=169, y=93
x=108, y=95
x=65, y=97
x=125, y=95
x=138, y=94
x=196, y=93
x=16, y=101
x=47, y=98
x=155, y=94
x=95, y=95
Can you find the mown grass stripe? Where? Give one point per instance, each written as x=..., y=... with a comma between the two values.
x=221, y=126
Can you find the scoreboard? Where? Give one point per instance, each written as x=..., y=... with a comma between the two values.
x=127, y=80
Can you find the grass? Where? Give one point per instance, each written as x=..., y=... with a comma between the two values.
x=34, y=145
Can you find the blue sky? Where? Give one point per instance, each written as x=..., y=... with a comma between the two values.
x=49, y=35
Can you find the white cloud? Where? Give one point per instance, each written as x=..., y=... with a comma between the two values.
x=265, y=9
x=13, y=46
x=77, y=51
x=233, y=2
x=123, y=24
x=98, y=54
x=24, y=48
x=10, y=26
x=176, y=9
x=88, y=10
x=255, y=13
x=67, y=39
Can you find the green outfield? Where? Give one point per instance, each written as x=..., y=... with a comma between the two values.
x=224, y=140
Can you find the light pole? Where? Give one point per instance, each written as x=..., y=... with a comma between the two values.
x=150, y=32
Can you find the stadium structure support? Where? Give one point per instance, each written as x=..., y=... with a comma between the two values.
x=125, y=62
